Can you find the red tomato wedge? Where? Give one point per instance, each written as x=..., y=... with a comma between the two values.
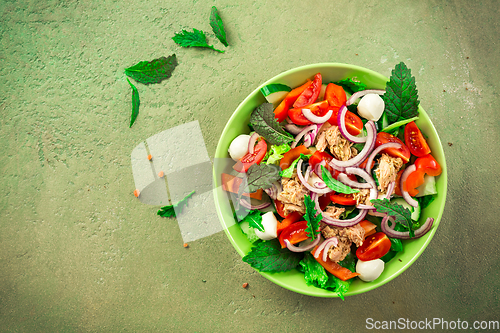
x=415, y=140
x=368, y=227
x=232, y=184
x=403, y=152
x=294, y=233
x=290, y=219
x=353, y=123
x=292, y=155
x=281, y=111
x=279, y=208
x=425, y=165
x=341, y=272
x=374, y=247
x=310, y=95
x=335, y=95
x=246, y=161
x=342, y=199
x=297, y=117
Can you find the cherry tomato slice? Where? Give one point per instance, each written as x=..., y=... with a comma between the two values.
x=374, y=247
x=292, y=155
x=279, y=208
x=403, y=152
x=415, y=140
x=425, y=165
x=249, y=159
x=342, y=199
x=353, y=123
x=295, y=233
x=281, y=111
x=310, y=95
x=335, y=95
x=298, y=118
x=290, y=219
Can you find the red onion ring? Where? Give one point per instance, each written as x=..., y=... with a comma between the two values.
x=367, y=177
x=367, y=149
x=301, y=134
x=390, y=190
x=359, y=94
x=292, y=128
x=343, y=129
x=252, y=141
x=332, y=241
x=314, y=118
x=346, y=223
x=406, y=195
x=306, y=184
x=248, y=205
x=361, y=206
x=294, y=248
x=377, y=150
x=273, y=191
x=344, y=179
x=424, y=228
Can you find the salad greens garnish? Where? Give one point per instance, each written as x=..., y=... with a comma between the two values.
x=313, y=221
x=401, y=214
x=135, y=103
x=334, y=184
x=263, y=122
x=196, y=38
x=218, y=26
x=153, y=71
x=270, y=257
x=401, y=96
x=425, y=200
x=288, y=172
x=275, y=154
x=254, y=219
x=259, y=176
x=169, y=210
x=351, y=86
x=394, y=128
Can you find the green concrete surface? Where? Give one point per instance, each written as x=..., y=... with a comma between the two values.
x=79, y=253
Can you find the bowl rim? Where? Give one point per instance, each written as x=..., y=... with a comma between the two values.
x=281, y=279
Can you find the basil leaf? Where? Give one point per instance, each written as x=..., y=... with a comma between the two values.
x=135, y=103
x=259, y=176
x=153, y=71
x=218, y=26
x=334, y=184
x=263, y=122
x=196, y=38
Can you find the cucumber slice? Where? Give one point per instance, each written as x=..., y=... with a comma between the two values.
x=415, y=211
x=275, y=92
x=428, y=187
x=249, y=232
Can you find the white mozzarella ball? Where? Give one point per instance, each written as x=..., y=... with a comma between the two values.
x=371, y=107
x=270, y=224
x=239, y=147
x=369, y=270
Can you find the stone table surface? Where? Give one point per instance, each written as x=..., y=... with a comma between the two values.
x=79, y=253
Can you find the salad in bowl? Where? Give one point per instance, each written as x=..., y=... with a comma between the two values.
x=330, y=178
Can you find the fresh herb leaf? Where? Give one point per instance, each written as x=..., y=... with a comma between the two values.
x=425, y=200
x=196, y=38
x=135, y=103
x=401, y=214
x=351, y=86
x=168, y=211
x=310, y=216
x=264, y=123
x=153, y=71
x=218, y=26
x=270, y=257
x=401, y=95
x=254, y=219
x=275, y=154
x=288, y=172
x=259, y=176
x=334, y=184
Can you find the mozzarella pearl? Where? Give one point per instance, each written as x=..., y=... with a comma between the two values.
x=239, y=147
x=369, y=270
x=371, y=107
x=270, y=224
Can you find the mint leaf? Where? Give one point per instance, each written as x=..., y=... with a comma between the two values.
x=263, y=122
x=401, y=214
x=401, y=95
x=153, y=71
x=168, y=211
x=334, y=184
x=310, y=216
x=270, y=257
x=254, y=219
x=196, y=38
x=135, y=103
x=218, y=26
x=259, y=176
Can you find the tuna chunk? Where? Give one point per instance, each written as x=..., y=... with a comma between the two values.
x=387, y=170
x=331, y=138
x=333, y=212
x=363, y=197
x=345, y=236
x=292, y=195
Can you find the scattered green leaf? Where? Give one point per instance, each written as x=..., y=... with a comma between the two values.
x=334, y=184
x=135, y=103
x=218, y=26
x=153, y=71
x=264, y=123
x=196, y=38
x=312, y=219
x=270, y=257
x=169, y=210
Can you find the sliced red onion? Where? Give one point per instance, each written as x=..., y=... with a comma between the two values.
x=375, y=213
x=343, y=129
x=424, y=228
x=252, y=141
x=406, y=195
x=306, y=184
x=343, y=178
x=320, y=185
x=361, y=206
x=332, y=241
x=314, y=118
x=292, y=128
x=346, y=223
x=308, y=173
x=367, y=149
x=367, y=177
x=248, y=205
x=301, y=134
x=359, y=94
x=390, y=190
x=294, y=248
x=377, y=150
x=274, y=190
x=317, y=168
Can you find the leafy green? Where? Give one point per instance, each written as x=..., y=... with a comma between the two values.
x=310, y=216
x=396, y=244
x=270, y=257
x=425, y=200
x=259, y=176
x=218, y=26
x=135, y=103
x=334, y=184
x=263, y=122
x=391, y=129
x=288, y=172
x=153, y=71
x=254, y=219
x=401, y=96
x=168, y=211
x=196, y=38
x=351, y=86
x=275, y=153
x=401, y=214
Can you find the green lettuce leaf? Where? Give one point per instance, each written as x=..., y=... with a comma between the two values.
x=259, y=176
x=401, y=214
x=275, y=154
x=254, y=219
x=351, y=86
x=288, y=172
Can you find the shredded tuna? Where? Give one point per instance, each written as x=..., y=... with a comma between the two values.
x=330, y=137
x=387, y=170
x=345, y=236
x=292, y=195
x=362, y=197
x=333, y=212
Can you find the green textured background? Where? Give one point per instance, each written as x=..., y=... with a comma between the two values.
x=79, y=253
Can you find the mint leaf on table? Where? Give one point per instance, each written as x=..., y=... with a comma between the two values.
x=334, y=184
x=135, y=103
x=270, y=257
x=259, y=176
x=401, y=95
x=168, y=211
x=399, y=213
x=153, y=71
x=313, y=221
x=196, y=38
x=218, y=26
x=263, y=122
x=254, y=219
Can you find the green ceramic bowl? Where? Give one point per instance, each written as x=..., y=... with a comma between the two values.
x=237, y=124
